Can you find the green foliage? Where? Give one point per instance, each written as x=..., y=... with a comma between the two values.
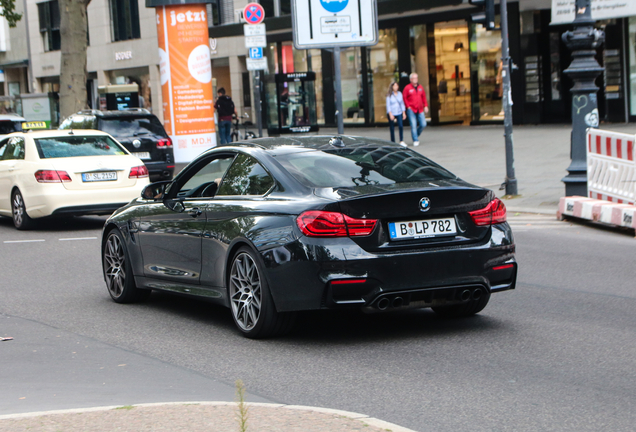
x=241, y=415
x=8, y=11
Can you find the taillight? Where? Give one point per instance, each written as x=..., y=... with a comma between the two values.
x=52, y=176
x=359, y=227
x=493, y=213
x=164, y=143
x=317, y=223
x=138, y=172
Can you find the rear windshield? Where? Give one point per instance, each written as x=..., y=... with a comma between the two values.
x=361, y=166
x=68, y=146
x=132, y=127
x=8, y=126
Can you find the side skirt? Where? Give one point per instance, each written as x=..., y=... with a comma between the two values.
x=213, y=294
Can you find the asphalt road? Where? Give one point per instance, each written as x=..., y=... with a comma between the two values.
x=558, y=353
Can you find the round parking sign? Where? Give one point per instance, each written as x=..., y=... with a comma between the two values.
x=254, y=13
x=334, y=6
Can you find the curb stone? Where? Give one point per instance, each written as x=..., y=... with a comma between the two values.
x=352, y=415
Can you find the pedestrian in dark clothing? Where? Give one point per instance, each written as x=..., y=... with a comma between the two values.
x=416, y=106
x=396, y=111
x=225, y=109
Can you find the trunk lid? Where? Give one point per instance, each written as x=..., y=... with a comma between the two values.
x=401, y=203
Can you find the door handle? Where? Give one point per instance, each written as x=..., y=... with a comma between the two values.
x=195, y=212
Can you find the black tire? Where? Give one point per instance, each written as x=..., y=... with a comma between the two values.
x=250, y=135
x=117, y=269
x=21, y=219
x=466, y=309
x=234, y=137
x=251, y=303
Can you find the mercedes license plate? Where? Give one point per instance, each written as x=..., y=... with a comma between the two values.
x=422, y=229
x=142, y=155
x=99, y=176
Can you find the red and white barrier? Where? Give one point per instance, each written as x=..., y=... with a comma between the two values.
x=611, y=169
x=610, y=213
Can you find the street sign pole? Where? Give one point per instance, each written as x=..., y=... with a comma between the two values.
x=338, y=86
x=255, y=41
x=511, y=181
x=257, y=96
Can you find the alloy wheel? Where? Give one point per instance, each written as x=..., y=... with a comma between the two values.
x=245, y=291
x=115, y=268
x=18, y=209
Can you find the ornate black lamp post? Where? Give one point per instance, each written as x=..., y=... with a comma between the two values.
x=583, y=70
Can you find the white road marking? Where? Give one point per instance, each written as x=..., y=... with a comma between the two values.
x=24, y=241
x=78, y=238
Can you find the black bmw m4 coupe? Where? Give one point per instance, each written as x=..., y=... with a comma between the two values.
x=275, y=226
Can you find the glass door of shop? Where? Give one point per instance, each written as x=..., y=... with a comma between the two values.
x=487, y=74
x=452, y=65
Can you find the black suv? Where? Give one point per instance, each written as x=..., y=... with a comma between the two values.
x=138, y=130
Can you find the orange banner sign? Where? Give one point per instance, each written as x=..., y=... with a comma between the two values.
x=186, y=78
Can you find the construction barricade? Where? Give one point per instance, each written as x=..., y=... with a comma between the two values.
x=611, y=170
x=611, y=181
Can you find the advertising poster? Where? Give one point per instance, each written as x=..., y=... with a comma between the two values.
x=186, y=79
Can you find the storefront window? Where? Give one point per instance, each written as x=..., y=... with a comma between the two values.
x=452, y=64
x=632, y=65
x=383, y=70
x=419, y=56
x=486, y=61
x=351, y=81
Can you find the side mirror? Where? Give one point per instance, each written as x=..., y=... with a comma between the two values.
x=155, y=191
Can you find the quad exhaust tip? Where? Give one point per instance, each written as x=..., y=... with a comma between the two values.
x=465, y=295
x=383, y=303
x=397, y=302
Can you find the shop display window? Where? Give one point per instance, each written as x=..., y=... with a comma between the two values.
x=452, y=66
x=382, y=71
x=486, y=62
x=351, y=80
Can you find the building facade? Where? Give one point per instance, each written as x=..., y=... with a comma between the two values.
x=458, y=62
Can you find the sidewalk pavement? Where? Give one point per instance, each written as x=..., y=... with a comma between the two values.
x=197, y=417
x=477, y=155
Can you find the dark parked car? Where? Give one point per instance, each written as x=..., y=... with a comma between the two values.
x=274, y=226
x=138, y=130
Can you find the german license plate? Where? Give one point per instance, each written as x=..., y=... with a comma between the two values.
x=422, y=229
x=99, y=176
x=142, y=155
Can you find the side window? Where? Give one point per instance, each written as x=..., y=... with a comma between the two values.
x=3, y=146
x=14, y=149
x=203, y=180
x=246, y=177
x=18, y=151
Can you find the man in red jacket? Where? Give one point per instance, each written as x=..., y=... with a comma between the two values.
x=416, y=106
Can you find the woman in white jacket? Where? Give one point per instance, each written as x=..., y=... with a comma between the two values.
x=396, y=111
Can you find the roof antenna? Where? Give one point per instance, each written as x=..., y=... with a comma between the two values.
x=337, y=142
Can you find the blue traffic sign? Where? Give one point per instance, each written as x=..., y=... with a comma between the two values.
x=256, y=53
x=334, y=6
x=254, y=13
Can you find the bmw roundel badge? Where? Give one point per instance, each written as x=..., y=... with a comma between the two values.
x=425, y=204
x=136, y=143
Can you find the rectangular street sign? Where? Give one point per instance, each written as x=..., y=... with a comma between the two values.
x=256, y=53
x=254, y=29
x=331, y=23
x=256, y=65
x=255, y=41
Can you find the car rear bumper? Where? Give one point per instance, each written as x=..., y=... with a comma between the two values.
x=162, y=169
x=339, y=274
x=53, y=199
